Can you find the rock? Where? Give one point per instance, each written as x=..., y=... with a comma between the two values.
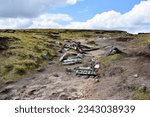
x=97, y=80
x=135, y=75
x=50, y=62
x=63, y=96
x=9, y=82
x=97, y=66
x=44, y=55
x=31, y=92
x=56, y=75
x=69, y=70
x=60, y=51
x=41, y=69
x=5, y=91
x=142, y=88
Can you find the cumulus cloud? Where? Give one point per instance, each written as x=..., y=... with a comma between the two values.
x=50, y=21
x=14, y=23
x=136, y=20
x=29, y=8
x=42, y=21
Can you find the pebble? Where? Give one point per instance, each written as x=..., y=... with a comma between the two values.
x=135, y=75
x=97, y=80
x=56, y=75
x=41, y=69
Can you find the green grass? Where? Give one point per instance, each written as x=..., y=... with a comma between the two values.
x=105, y=60
x=143, y=39
x=139, y=95
x=24, y=54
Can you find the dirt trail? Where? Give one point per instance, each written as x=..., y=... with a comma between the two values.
x=54, y=83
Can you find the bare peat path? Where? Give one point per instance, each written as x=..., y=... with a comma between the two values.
x=53, y=83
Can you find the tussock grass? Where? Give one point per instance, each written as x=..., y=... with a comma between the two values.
x=24, y=54
x=105, y=60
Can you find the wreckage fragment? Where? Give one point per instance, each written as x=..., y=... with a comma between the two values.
x=71, y=58
x=90, y=71
x=77, y=46
x=113, y=50
x=62, y=57
x=71, y=46
x=87, y=71
x=70, y=61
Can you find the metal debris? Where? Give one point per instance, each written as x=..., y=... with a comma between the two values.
x=70, y=61
x=71, y=58
x=62, y=57
x=85, y=70
x=77, y=46
x=113, y=50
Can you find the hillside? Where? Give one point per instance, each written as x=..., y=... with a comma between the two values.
x=30, y=67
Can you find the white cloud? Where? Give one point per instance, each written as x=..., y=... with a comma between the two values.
x=42, y=21
x=137, y=19
x=14, y=23
x=29, y=8
x=50, y=21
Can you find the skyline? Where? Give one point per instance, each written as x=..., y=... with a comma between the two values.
x=129, y=15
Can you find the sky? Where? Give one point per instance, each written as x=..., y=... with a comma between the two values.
x=129, y=15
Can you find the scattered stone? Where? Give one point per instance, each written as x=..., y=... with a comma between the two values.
x=63, y=96
x=9, y=82
x=69, y=70
x=16, y=98
x=5, y=91
x=44, y=55
x=143, y=88
x=56, y=75
x=41, y=69
x=60, y=51
x=135, y=75
x=24, y=87
x=97, y=80
x=50, y=62
x=97, y=66
x=31, y=92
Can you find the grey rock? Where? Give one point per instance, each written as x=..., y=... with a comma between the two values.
x=97, y=80
x=5, y=91
x=44, y=55
x=56, y=75
x=63, y=96
x=143, y=88
x=135, y=75
x=41, y=69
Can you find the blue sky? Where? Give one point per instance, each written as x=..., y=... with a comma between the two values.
x=129, y=15
x=86, y=9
